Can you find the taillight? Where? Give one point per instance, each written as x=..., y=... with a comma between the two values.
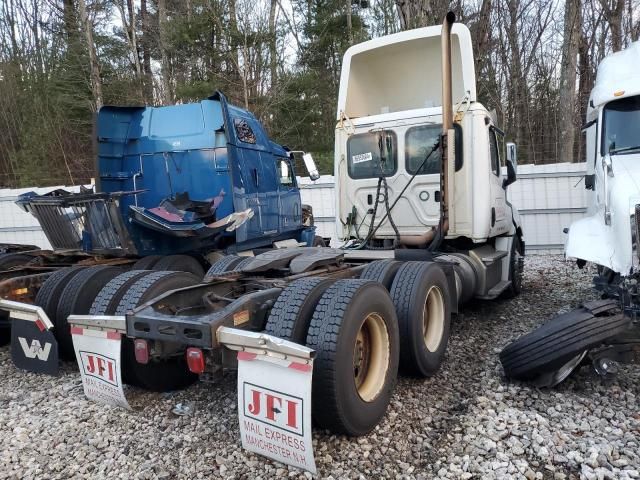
x=141, y=349
x=195, y=360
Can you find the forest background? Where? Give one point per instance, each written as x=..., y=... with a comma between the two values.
x=61, y=60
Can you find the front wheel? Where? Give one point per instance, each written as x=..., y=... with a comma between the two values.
x=516, y=268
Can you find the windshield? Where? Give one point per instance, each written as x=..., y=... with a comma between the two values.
x=621, y=126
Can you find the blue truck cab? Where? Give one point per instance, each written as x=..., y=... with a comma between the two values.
x=184, y=178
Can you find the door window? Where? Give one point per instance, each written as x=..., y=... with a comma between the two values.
x=419, y=142
x=495, y=152
x=285, y=173
x=372, y=154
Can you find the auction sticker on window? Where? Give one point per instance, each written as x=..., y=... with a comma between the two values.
x=362, y=157
x=98, y=356
x=274, y=409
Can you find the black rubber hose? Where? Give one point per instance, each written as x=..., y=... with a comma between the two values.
x=369, y=236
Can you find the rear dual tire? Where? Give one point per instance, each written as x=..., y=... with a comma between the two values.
x=354, y=332
x=421, y=297
x=123, y=294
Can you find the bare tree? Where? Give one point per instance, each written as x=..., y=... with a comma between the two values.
x=613, y=10
x=420, y=13
x=167, y=96
x=96, y=81
x=567, y=100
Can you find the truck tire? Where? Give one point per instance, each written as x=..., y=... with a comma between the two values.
x=49, y=294
x=225, y=264
x=10, y=260
x=161, y=375
x=240, y=265
x=180, y=263
x=553, y=344
x=420, y=294
x=109, y=297
x=77, y=298
x=354, y=332
x=381, y=271
x=291, y=314
x=516, y=259
x=147, y=263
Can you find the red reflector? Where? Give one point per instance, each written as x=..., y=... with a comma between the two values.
x=141, y=348
x=195, y=360
x=40, y=325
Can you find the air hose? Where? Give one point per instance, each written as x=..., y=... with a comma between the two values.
x=372, y=230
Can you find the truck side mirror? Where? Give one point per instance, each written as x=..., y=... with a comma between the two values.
x=311, y=166
x=512, y=164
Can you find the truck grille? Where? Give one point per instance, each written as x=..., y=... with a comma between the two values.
x=90, y=222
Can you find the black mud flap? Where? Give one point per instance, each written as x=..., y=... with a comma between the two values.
x=33, y=347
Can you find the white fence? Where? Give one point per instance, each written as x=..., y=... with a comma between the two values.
x=549, y=198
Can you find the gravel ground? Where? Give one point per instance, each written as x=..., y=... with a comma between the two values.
x=466, y=422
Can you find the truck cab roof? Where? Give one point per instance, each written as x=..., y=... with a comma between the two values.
x=403, y=71
x=618, y=76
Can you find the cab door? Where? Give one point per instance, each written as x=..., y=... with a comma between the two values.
x=499, y=219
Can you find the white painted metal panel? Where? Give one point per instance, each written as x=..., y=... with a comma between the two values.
x=549, y=197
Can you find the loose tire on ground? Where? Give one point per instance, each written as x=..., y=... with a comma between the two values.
x=50, y=292
x=162, y=375
x=291, y=314
x=515, y=269
x=552, y=345
x=225, y=264
x=77, y=298
x=382, y=271
x=147, y=263
x=354, y=332
x=421, y=296
x=180, y=263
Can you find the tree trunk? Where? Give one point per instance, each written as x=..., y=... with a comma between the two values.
x=273, y=45
x=613, y=14
x=420, y=13
x=349, y=24
x=129, y=25
x=482, y=36
x=96, y=82
x=165, y=67
x=146, y=52
x=567, y=98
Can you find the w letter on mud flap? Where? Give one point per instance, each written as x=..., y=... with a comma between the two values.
x=35, y=349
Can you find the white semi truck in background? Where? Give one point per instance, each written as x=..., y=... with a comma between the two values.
x=425, y=223
x=605, y=331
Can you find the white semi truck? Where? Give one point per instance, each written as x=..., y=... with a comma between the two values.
x=424, y=223
x=606, y=331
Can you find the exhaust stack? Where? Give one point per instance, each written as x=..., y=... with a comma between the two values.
x=447, y=120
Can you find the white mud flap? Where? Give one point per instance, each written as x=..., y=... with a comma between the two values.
x=33, y=345
x=97, y=341
x=274, y=396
